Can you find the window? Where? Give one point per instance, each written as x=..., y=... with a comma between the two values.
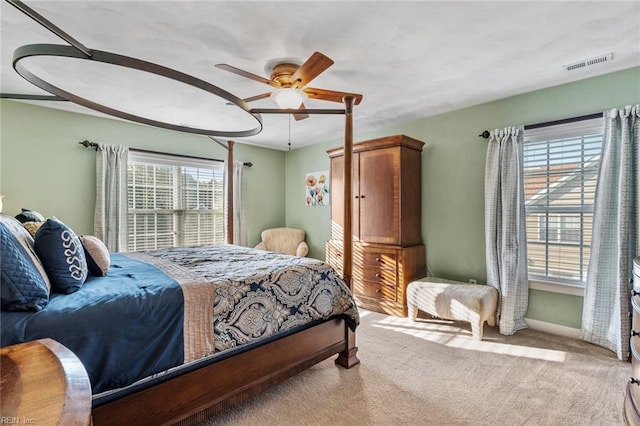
x=560, y=174
x=174, y=201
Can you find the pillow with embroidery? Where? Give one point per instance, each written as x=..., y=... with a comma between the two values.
x=97, y=254
x=62, y=256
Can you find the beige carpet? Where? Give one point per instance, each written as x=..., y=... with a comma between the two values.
x=432, y=373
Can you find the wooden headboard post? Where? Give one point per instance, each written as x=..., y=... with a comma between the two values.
x=230, y=192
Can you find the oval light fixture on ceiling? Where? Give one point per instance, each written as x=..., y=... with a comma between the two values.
x=175, y=107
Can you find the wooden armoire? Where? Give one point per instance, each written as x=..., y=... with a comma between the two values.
x=387, y=239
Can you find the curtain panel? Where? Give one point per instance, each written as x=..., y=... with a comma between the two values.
x=505, y=233
x=615, y=241
x=110, y=218
x=239, y=205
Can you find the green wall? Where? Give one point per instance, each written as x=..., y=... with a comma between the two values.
x=453, y=177
x=43, y=168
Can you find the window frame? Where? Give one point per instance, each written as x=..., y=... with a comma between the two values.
x=589, y=130
x=179, y=212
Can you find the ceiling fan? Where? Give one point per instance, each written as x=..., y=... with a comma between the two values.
x=290, y=83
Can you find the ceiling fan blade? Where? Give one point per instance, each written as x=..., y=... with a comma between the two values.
x=330, y=95
x=254, y=98
x=302, y=116
x=313, y=66
x=247, y=74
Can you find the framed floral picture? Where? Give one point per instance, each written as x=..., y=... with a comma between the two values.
x=317, y=188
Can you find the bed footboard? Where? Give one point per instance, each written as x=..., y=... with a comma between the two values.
x=202, y=393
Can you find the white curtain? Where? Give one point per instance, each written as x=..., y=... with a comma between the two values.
x=239, y=205
x=615, y=241
x=110, y=220
x=505, y=233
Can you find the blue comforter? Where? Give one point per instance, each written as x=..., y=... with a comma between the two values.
x=136, y=312
x=168, y=308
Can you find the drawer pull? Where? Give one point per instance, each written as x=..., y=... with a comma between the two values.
x=635, y=333
x=377, y=275
x=378, y=259
x=377, y=290
x=635, y=293
x=634, y=381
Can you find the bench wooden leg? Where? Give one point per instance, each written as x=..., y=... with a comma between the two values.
x=412, y=312
x=491, y=320
x=476, y=329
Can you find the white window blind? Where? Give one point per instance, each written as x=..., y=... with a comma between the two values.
x=560, y=175
x=174, y=201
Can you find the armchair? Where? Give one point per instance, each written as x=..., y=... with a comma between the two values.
x=284, y=240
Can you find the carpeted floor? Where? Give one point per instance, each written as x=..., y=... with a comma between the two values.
x=432, y=373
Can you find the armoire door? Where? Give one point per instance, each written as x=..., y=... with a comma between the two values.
x=337, y=197
x=378, y=195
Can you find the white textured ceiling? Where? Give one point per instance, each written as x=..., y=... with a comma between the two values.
x=408, y=59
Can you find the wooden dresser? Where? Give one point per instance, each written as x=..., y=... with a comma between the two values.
x=387, y=221
x=632, y=398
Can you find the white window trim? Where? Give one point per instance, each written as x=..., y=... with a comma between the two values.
x=177, y=161
x=556, y=287
x=588, y=126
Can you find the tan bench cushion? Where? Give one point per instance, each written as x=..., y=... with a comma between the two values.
x=447, y=299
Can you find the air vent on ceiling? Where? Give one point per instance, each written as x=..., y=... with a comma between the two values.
x=588, y=62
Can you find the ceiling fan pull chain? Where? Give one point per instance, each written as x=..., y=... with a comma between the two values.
x=289, y=132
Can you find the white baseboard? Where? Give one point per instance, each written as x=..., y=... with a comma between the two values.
x=548, y=327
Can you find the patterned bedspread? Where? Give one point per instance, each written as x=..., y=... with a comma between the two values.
x=258, y=294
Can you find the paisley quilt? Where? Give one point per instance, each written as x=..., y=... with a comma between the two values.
x=258, y=293
x=161, y=310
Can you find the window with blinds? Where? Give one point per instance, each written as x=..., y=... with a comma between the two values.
x=560, y=174
x=174, y=201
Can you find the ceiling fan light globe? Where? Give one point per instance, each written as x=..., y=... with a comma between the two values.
x=289, y=98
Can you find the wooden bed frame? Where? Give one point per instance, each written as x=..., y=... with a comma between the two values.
x=199, y=394
x=202, y=393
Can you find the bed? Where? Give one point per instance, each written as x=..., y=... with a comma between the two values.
x=199, y=327
x=214, y=372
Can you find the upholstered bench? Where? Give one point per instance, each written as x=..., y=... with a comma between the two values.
x=453, y=300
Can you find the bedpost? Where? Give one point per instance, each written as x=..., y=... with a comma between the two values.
x=230, y=192
x=347, y=239
x=348, y=358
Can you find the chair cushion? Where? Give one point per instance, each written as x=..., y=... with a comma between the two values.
x=283, y=240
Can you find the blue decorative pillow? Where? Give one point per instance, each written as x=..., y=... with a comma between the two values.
x=29, y=216
x=26, y=241
x=62, y=256
x=22, y=285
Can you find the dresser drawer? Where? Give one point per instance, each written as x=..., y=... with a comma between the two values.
x=374, y=291
x=334, y=256
x=635, y=307
x=634, y=383
x=381, y=259
x=379, y=275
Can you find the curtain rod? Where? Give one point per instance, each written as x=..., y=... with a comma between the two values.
x=89, y=144
x=485, y=134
